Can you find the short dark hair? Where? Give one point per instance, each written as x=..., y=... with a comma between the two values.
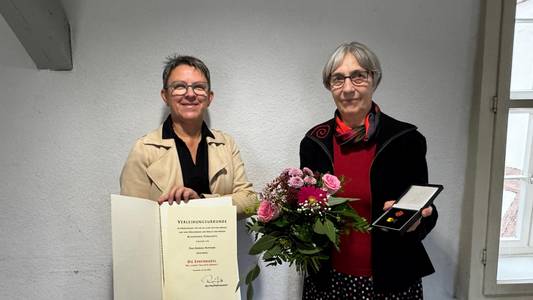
x=173, y=61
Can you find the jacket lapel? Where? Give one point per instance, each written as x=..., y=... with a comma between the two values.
x=217, y=160
x=164, y=170
x=322, y=134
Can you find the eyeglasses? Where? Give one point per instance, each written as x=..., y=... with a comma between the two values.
x=179, y=88
x=358, y=78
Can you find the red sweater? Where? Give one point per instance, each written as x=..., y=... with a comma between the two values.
x=353, y=163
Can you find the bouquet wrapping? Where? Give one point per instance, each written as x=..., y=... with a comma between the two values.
x=299, y=221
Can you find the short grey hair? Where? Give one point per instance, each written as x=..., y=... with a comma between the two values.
x=173, y=61
x=365, y=57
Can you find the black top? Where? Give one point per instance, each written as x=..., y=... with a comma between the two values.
x=397, y=260
x=195, y=176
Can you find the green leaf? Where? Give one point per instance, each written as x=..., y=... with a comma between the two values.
x=309, y=252
x=274, y=251
x=315, y=264
x=274, y=263
x=319, y=227
x=250, y=277
x=280, y=222
x=361, y=225
x=327, y=228
x=252, y=274
x=333, y=201
x=250, y=292
x=340, y=207
x=254, y=226
x=349, y=213
x=302, y=233
x=264, y=243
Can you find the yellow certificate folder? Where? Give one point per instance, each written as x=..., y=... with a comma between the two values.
x=174, y=252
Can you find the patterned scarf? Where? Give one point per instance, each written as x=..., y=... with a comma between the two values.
x=344, y=134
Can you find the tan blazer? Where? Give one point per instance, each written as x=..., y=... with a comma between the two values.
x=153, y=168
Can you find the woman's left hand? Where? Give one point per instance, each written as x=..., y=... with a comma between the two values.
x=426, y=212
x=178, y=194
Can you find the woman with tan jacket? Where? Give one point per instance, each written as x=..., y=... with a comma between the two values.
x=183, y=159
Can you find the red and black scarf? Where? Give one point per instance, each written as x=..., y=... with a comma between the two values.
x=344, y=134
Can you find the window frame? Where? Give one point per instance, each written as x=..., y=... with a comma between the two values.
x=498, y=147
x=476, y=252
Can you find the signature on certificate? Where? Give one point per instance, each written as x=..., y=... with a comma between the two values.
x=213, y=280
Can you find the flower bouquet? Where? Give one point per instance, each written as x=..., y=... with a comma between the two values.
x=299, y=221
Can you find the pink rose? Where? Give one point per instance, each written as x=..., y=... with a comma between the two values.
x=309, y=180
x=296, y=182
x=331, y=182
x=307, y=171
x=295, y=172
x=267, y=211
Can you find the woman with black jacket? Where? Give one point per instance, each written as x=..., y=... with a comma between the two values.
x=379, y=158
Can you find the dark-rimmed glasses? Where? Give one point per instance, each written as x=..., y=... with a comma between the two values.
x=179, y=88
x=357, y=77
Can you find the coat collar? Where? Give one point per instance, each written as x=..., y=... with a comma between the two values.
x=165, y=170
x=156, y=138
x=387, y=130
x=168, y=130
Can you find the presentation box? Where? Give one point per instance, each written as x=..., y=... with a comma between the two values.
x=407, y=210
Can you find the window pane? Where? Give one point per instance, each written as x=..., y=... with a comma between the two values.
x=516, y=169
x=517, y=202
x=510, y=208
x=522, y=69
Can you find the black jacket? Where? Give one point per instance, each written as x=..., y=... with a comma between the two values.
x=400, y=161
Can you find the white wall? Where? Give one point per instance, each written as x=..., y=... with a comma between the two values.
x=65, y=135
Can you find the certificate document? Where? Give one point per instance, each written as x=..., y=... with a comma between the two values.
x=173, y=252
x=199, y=252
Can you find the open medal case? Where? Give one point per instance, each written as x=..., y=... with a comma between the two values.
x=407, y=210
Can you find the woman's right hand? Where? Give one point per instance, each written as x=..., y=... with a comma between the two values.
x=388, y=204
x=178, y=194
x=426, y=212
